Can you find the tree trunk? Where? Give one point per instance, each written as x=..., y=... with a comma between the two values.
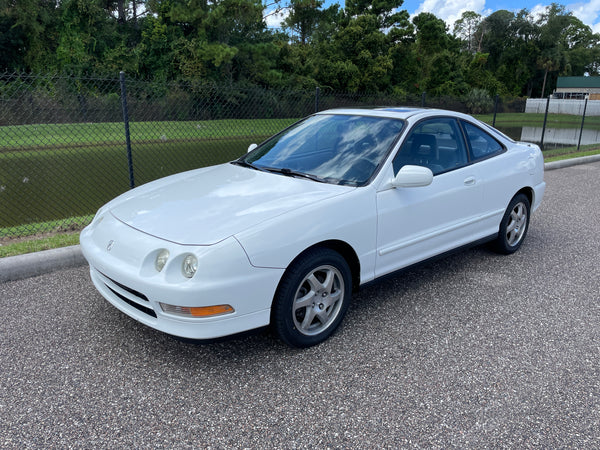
x=121, y=11
x=544, y=83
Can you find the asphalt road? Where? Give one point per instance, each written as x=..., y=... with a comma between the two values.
x=476, y=350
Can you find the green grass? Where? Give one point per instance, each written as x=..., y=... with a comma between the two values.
x=560, y=154
x=37, y=245
x=53, y=226
x=45, y=136
x=35, y=237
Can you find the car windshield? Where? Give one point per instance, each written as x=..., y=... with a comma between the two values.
x=333, y=148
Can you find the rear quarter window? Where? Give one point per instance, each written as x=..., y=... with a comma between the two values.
x=481, y=144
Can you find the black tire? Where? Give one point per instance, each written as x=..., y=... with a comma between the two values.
x=312, y=298
x=514, y=225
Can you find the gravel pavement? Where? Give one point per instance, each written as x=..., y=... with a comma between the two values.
x=476, y=350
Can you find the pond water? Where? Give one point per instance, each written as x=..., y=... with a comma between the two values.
x=553, y=137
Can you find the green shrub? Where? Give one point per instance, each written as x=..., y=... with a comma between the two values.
x=478, y=101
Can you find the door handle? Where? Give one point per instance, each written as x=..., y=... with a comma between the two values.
x=469, y=181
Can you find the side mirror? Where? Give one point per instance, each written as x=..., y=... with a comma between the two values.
x=252, y=147
x=413, y=176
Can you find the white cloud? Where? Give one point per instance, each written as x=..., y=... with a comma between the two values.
x=275, y=18
x=537, y=10
x=588, y=13
x=451, y=10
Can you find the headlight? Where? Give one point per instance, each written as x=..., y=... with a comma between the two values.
x=161, y=259
x=190, y=266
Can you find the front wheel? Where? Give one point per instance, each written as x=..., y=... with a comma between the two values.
x=514, y=225
x=312, y=298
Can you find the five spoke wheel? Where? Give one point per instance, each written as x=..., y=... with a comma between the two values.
x=312, y=298
x=318, y=300
x=514, y=224
x=517, y=224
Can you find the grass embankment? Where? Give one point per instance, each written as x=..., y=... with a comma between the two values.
x=38, y=244
x=559, y=154
x=35, y=237
x=45, y=136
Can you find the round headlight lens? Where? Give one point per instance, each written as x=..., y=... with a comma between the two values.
x=190, y=266
x=161, y=259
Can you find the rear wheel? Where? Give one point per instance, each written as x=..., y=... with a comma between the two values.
x=312, y=298
x=514, y=225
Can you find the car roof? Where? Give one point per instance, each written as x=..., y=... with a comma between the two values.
x=396, y=112
x=412, y=114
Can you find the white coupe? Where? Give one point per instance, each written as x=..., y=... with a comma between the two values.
x=286, y=233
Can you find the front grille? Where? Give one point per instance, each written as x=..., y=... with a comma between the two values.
x=125, y=288
x=137, y=306
x=136, y=294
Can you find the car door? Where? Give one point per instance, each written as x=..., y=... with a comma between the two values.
x=420, y=222
x=501, y=172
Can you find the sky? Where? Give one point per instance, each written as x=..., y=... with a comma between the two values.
x=588, y=11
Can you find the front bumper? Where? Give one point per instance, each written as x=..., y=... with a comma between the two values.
x=122, y=269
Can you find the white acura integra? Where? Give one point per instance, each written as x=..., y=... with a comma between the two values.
x=286, y=233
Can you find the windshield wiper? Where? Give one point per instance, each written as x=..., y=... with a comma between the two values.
x=282, y=171
x=293, y=173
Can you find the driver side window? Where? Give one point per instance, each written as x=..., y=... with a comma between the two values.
x=434, y=143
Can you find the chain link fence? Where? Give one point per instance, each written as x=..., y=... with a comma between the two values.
x=70, y=144
x=64, y=150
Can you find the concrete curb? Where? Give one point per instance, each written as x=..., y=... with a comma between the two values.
x=571, y=162
x=18, y=267
x=14, y=268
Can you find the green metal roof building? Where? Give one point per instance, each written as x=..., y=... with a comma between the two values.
x=578, y=88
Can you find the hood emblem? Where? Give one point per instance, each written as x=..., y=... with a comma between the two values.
x=110, y=245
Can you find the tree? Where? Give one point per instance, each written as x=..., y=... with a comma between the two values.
x=86, y=32
x=436, y=55
x=303, y=19
x=125, y=11
x=12, y=40
x=361, y=49
x=32, y=26
x=386, y=11
x=497, y=37
x=468, y=30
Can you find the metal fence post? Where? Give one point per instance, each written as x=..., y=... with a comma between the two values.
x=317, y=95
x=423, y=95
x=126, y=122
x=544, y=126
x=495, y=109
x=582, y=120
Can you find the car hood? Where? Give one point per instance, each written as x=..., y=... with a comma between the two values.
x=205, y=206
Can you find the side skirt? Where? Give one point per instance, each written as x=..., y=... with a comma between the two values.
x=427, y=261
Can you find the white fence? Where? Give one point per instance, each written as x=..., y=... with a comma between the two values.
x=561, y=106
x=560, y=136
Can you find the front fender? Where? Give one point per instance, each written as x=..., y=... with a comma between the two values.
x=351, y=218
